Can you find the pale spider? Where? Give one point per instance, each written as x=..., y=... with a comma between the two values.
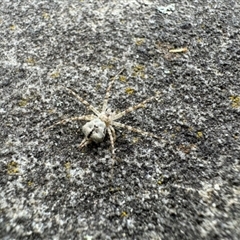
x=102, y=122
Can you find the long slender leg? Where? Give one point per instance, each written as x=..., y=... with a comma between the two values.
x=86, y=103
x=105, y=101
x=112, y=141
x=133, y=108
x=137, y=130
x=80, y=118
x=85, y=142
x=113, y=133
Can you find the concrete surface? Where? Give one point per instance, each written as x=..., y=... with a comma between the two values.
x=186, y=186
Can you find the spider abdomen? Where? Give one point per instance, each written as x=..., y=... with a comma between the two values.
x=95, y=130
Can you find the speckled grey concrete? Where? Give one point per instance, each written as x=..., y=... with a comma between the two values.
x=184, y=187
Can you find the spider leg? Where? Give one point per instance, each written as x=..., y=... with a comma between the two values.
x=137, y=130
x=105, y=101
x=111, y=136
x=80, y=118
x=85, y=142
x=113, y=133
x=83, y=101
x=133, y=108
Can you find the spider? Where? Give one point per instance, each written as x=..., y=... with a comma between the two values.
x=101, y=123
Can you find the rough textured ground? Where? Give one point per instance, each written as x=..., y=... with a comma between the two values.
x=186, y=187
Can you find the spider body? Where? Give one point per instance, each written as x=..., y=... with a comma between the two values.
x=95, y=130
x=102, y=123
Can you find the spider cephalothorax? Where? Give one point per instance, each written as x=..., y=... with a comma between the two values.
x=101, y=123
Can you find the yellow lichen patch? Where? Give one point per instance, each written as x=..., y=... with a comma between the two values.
x=67, y=165
x=160, y=180
x=116, y=189
x=124, y=214
x=236, y=136
x=30, y=61
x=108, y=66
x=122, y=78
x=12, y=168
x=12, y=27
x=139, y=70
x=46, y=15
x=135, y=140
x=98, y=86
x=51, y=110
x=139, y=41
x=235, y=101
x=129, y=91
x=30, y=183
x=199, y=134
x=23, y=102
x=55, y=75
